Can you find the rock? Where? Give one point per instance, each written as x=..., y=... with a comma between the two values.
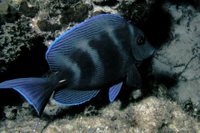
x=81, y=12
x=181, y=54
x=4, y=7
x=8, y=13
x=11, y=113
x=27, y=11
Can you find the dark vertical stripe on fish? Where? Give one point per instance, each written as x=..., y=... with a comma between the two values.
x=86, y=65
x=109, y=55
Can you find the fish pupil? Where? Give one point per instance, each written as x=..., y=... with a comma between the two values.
x=141, y=40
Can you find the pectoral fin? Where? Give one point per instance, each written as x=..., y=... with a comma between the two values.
x=114, y=90
x=133, y=78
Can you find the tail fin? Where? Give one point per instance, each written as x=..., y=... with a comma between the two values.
x=37, y=91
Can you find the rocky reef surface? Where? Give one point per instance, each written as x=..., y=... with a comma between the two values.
x=168, y=101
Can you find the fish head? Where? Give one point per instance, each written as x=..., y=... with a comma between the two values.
x=141, y=48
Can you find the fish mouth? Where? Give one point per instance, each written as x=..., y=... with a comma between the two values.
x=152, y=52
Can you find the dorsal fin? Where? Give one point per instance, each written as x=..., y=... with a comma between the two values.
x=66, y=43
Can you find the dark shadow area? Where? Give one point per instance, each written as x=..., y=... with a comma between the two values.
x=26, y=10
x=106, y=3
x=152, y=81
x=72, y=112
x=166, y=79
x=152, y=19
x=157, y=27
x=9, y=97
x=157, y=23
x=30, y=63
x=100, y=101
x=124, y=96
x=11, y=16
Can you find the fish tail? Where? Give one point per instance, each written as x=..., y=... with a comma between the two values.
x=36, y=91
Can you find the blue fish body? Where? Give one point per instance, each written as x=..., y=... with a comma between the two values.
x=100, y=52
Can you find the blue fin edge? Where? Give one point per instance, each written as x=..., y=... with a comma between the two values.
x=69, y=104
x=27, y=99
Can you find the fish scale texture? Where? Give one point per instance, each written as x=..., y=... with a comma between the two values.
x=66, y=43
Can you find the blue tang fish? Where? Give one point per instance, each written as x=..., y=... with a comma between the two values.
x=98, y=53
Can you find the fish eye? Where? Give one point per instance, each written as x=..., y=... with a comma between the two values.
x=141, y=40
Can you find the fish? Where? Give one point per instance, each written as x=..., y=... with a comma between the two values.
x=101, y=52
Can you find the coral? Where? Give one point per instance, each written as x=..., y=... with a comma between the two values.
x=14, y=37
x=161, y=115
x=27, y=11
x=77, y=14
x=149, y=115
x=4, y=7
x=55, y=17
x=8, y=12
x=136, y=11
x=20, y=34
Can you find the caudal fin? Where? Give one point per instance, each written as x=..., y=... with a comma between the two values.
x=37, y=91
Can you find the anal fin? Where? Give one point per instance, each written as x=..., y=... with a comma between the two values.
x=74, y=97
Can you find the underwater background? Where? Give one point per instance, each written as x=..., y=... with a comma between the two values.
x=168, y=100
